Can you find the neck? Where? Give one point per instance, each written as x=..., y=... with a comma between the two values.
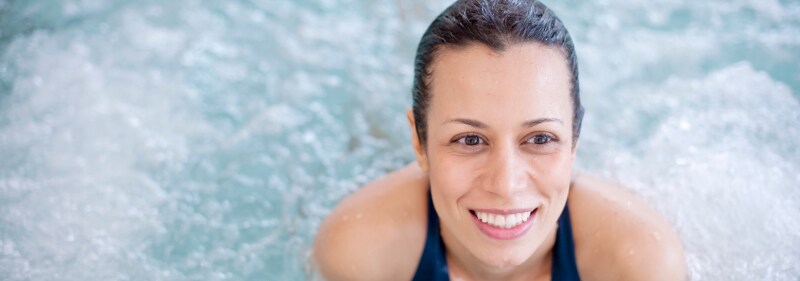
x=463, y=265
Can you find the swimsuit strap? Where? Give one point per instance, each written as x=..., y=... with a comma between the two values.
x=433, y=264
x=564, y=266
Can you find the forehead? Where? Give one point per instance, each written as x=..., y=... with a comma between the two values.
x=530, y=78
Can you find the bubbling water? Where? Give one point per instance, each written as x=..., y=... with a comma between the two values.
x=207, y=140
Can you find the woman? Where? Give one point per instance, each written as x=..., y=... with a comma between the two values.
x=492, y=196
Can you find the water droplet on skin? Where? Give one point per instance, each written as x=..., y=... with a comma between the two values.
x=359, y=215
x=345, y=218
x=656, y=235
x=505, y=263
x=631, y=252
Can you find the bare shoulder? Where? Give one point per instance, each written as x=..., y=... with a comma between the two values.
x=620, y=237
x=378, y=232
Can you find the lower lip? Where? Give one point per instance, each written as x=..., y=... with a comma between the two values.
x=505, y=233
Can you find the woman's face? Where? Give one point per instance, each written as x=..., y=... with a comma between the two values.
x=499, y=148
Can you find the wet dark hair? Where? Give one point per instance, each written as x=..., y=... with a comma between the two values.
x=496, y=24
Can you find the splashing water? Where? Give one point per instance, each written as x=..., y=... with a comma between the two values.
x=186, y=140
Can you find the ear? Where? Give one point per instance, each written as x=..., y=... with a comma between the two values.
x=422, y=158
x=575, y=150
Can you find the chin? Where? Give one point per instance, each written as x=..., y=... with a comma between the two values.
x=511, y=256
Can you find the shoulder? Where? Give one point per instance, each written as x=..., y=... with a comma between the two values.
x=620, y=237
x=378, y=232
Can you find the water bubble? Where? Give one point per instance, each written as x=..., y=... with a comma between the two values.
x=685, y=125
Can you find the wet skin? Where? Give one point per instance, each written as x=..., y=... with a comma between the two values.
x=499, y=141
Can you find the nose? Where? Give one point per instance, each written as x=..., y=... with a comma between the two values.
x=508, y=173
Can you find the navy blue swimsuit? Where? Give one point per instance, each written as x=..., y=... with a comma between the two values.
x=433, y=264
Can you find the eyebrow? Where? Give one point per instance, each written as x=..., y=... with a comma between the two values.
x=526, y=124
x=469, y=122
x=534, y=122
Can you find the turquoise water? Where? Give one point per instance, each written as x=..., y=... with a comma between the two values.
x=206, y=140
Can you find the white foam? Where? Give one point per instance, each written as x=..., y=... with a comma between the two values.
x=81, y=194
x=720, y=163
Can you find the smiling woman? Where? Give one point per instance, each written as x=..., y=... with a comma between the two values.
x=493, y=195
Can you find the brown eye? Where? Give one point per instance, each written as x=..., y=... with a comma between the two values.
x=542, y=143
x=540, y=139
x=472, y=140
x=469, y=144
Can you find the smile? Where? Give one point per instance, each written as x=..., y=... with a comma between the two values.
x=503, y=225
x=503, y=221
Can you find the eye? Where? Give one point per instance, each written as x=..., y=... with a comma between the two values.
x=471, y=140
x=542, y=143
x=468, y=144
x=540, y=139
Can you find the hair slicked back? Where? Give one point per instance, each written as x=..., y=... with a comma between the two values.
x=496, y=24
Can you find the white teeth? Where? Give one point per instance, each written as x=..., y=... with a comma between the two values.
x=511, y=220
x=500, y=221
x=503, y=221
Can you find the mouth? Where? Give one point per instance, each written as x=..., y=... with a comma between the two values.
x=504, y=225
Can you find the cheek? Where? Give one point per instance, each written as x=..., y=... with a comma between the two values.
x=451, y=175
x=451, y=178
x=553, y=171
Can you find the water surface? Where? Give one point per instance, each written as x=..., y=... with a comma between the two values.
x=206, y=140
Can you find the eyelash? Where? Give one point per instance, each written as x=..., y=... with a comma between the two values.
x=463, y=139
x=548, y=139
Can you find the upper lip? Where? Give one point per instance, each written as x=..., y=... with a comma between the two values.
x=505, y=211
